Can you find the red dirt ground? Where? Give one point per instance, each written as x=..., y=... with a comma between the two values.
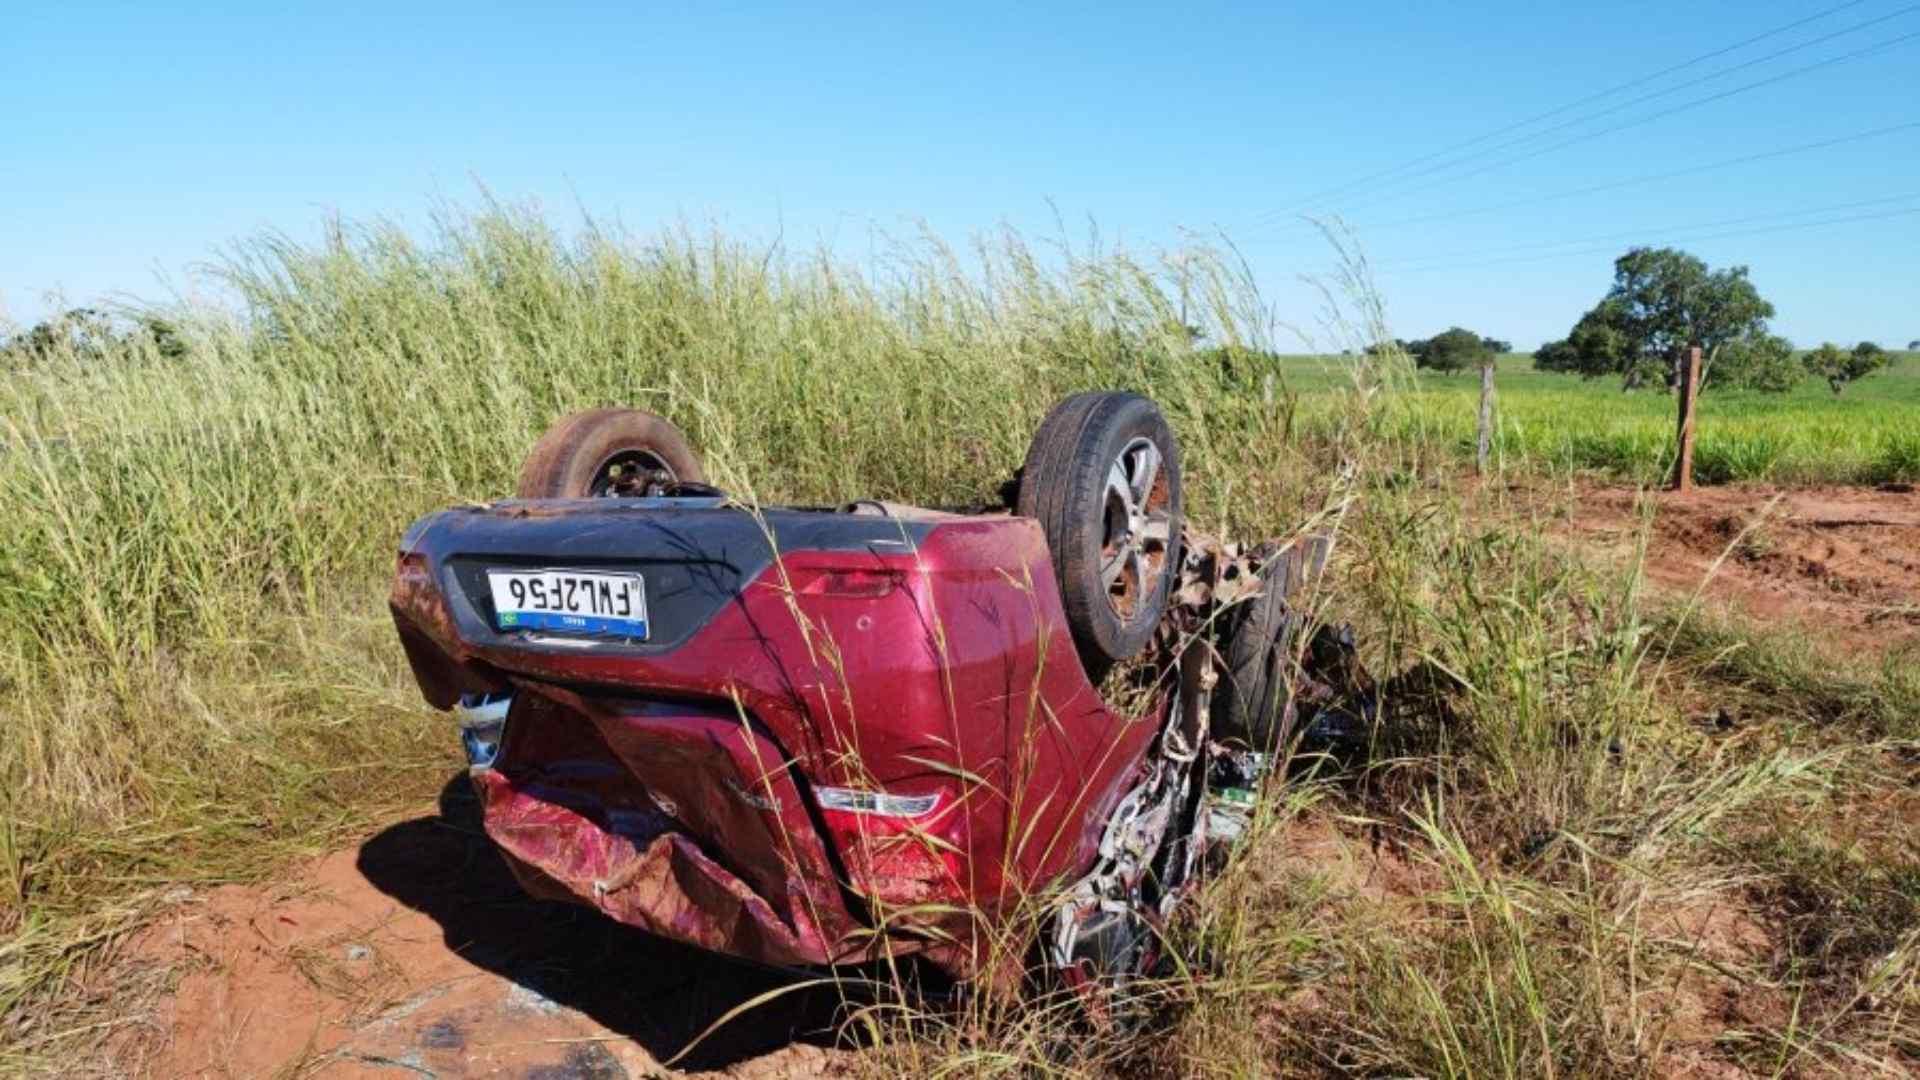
x=417, y=954
x=1841, y=563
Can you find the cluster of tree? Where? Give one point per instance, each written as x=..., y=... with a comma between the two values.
x=1664, y=301
x=1840, y=367
x=1454, y=349
x=87, y=334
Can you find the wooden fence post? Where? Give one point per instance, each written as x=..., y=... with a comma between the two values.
x=1484, y=446
x=1689, y=391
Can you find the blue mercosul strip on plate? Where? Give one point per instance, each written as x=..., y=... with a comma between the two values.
x=573, y=624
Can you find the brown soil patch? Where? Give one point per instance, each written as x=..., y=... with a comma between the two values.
x=418, y=955
x=1843, y=563
x=1372, y=871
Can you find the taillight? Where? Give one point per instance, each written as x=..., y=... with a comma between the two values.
x=853, y=801
x=849, y=582
x=899, y=850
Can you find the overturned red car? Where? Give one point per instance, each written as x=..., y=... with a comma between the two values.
x=814, y=736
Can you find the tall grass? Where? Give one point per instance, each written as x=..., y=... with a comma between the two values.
x=154, y=509
x=199, y=681
x=195, y=666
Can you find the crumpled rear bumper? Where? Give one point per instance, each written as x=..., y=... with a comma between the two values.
x=676, y=818
x=665, y=885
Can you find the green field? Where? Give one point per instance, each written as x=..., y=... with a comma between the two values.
x=199, y=683
x=1870, y=434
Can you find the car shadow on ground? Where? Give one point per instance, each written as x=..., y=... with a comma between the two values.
x=658, y=993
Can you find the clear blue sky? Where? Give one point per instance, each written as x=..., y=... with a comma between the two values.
x=138, y=138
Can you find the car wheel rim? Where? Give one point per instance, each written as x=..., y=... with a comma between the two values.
x=630, y=473
x=1137, y=526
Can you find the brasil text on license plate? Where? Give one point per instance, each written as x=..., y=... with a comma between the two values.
x=570, y=601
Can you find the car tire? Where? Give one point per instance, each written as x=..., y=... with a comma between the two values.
x=1263, y=641
x=1113, y=537
x=606, y=452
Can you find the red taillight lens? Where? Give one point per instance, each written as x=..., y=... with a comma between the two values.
x=823, y=581
x=897, y=848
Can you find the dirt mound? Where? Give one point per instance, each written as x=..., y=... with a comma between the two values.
x=419, y=955
x=1841, y=562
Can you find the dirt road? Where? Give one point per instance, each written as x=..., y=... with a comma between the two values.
x=417, y=955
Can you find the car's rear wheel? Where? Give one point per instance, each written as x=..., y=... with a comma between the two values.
x=608, y=452
x=1253, y=704
x=1102, y=477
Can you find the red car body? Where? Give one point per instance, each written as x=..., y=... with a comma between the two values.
x=915, y=666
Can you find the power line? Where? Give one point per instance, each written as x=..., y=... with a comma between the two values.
x=1645, y=178
x=1667, y=230
x=1710, y=236
x=1651, y=117
x=1559, y=110
x=1644, y=98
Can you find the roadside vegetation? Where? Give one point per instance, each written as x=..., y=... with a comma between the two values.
x=1804, y=435
x=1559, y=861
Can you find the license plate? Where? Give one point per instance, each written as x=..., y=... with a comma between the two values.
x=570, y=602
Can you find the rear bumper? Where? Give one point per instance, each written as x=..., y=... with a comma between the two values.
x=887, y=662
x=664, y=884
x=680, y=819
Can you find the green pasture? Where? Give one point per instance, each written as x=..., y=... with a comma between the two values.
x=1870, y=434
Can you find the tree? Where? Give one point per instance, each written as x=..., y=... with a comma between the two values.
x=1662, y=301
x=89, y=334
x=1495, y=345
x=1841, y=368
x=1597, y=345
x=1758, y=362
x=1455, y=349
x=1914, y=345
x=81, y=332
x=1555, y=356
